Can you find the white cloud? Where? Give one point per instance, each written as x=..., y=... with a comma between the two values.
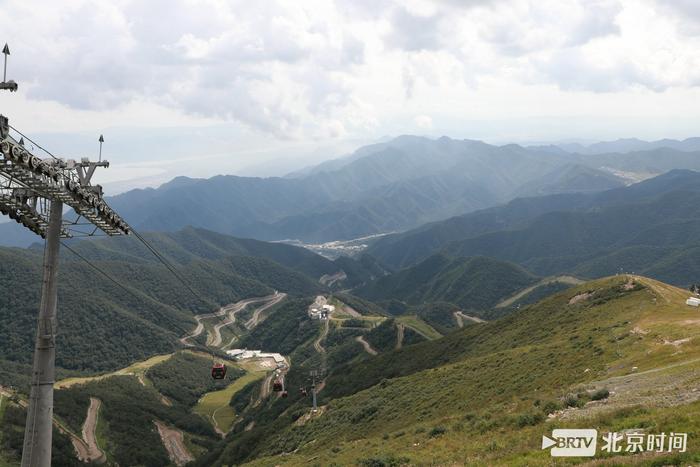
x=322, y=69
x=424, y=122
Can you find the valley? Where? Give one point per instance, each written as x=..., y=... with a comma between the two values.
x=460, y=341
x=350, y=233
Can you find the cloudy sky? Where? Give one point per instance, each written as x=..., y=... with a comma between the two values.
x=213, y=86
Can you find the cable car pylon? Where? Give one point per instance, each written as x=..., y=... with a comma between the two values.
x=33, y=192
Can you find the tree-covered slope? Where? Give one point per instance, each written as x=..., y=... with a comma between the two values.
x=104, y=325
x=651, y=228
x=471, y=283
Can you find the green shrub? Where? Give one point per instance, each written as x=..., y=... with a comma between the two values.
x=389, y=461
x=600, y=394
x=437, y=431
x=529, y=419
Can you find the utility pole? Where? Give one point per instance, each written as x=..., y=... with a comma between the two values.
x=39, y=427
x=33, y=191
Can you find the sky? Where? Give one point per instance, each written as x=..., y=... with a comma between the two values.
x=199, y=88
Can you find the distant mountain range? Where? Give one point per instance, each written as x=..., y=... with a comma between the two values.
x=386, y=187
x=625, y=145
x=652, y=228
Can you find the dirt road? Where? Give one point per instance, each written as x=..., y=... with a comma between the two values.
x=400, y=328
x=174, y=442
x=214, y=339
x=365, y=344
x=548, y=280
x=94, y=453
x=317, y=344
x=255, y=319
x=460, y=317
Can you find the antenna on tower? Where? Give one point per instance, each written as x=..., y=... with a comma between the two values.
x=101, y=140
x=9, y=85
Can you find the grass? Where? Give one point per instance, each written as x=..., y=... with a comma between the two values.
x=137, y=369
x=420, y=326
x=484, y=403
x=215, y=405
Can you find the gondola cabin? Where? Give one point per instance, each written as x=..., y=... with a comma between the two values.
x=277, y=385
x=284, y=394
x=218, y=371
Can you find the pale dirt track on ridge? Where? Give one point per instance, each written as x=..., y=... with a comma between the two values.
x=460, y=317
x=548, y=280
x=174, y=443
x=365, y=344
x=400, y=328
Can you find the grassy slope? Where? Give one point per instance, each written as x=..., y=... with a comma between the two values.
x=497, y=377
x=215, y=405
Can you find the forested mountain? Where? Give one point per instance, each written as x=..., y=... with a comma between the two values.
x=470, y=283
x=385, y=187
x=104, y=325
x=651, y=227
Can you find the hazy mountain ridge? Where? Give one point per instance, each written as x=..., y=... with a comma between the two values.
x=572, y=233
x=391, y=186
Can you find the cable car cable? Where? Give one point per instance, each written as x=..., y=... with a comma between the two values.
x=97, y=268
x=172, y=269
x=33, y=142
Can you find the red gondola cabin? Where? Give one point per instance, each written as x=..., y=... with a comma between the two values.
x=218, y=371
x=277, y=385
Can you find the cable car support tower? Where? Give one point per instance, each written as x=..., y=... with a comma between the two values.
x=34, y=191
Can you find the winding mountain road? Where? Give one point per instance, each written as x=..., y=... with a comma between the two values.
x=255, y=319
x=214, y=338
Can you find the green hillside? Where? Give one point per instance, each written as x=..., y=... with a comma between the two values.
x=104, y=327
x=480, y=396
x=470, y=283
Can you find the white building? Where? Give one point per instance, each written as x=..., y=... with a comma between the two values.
x=244, y=354
x=693, y=301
